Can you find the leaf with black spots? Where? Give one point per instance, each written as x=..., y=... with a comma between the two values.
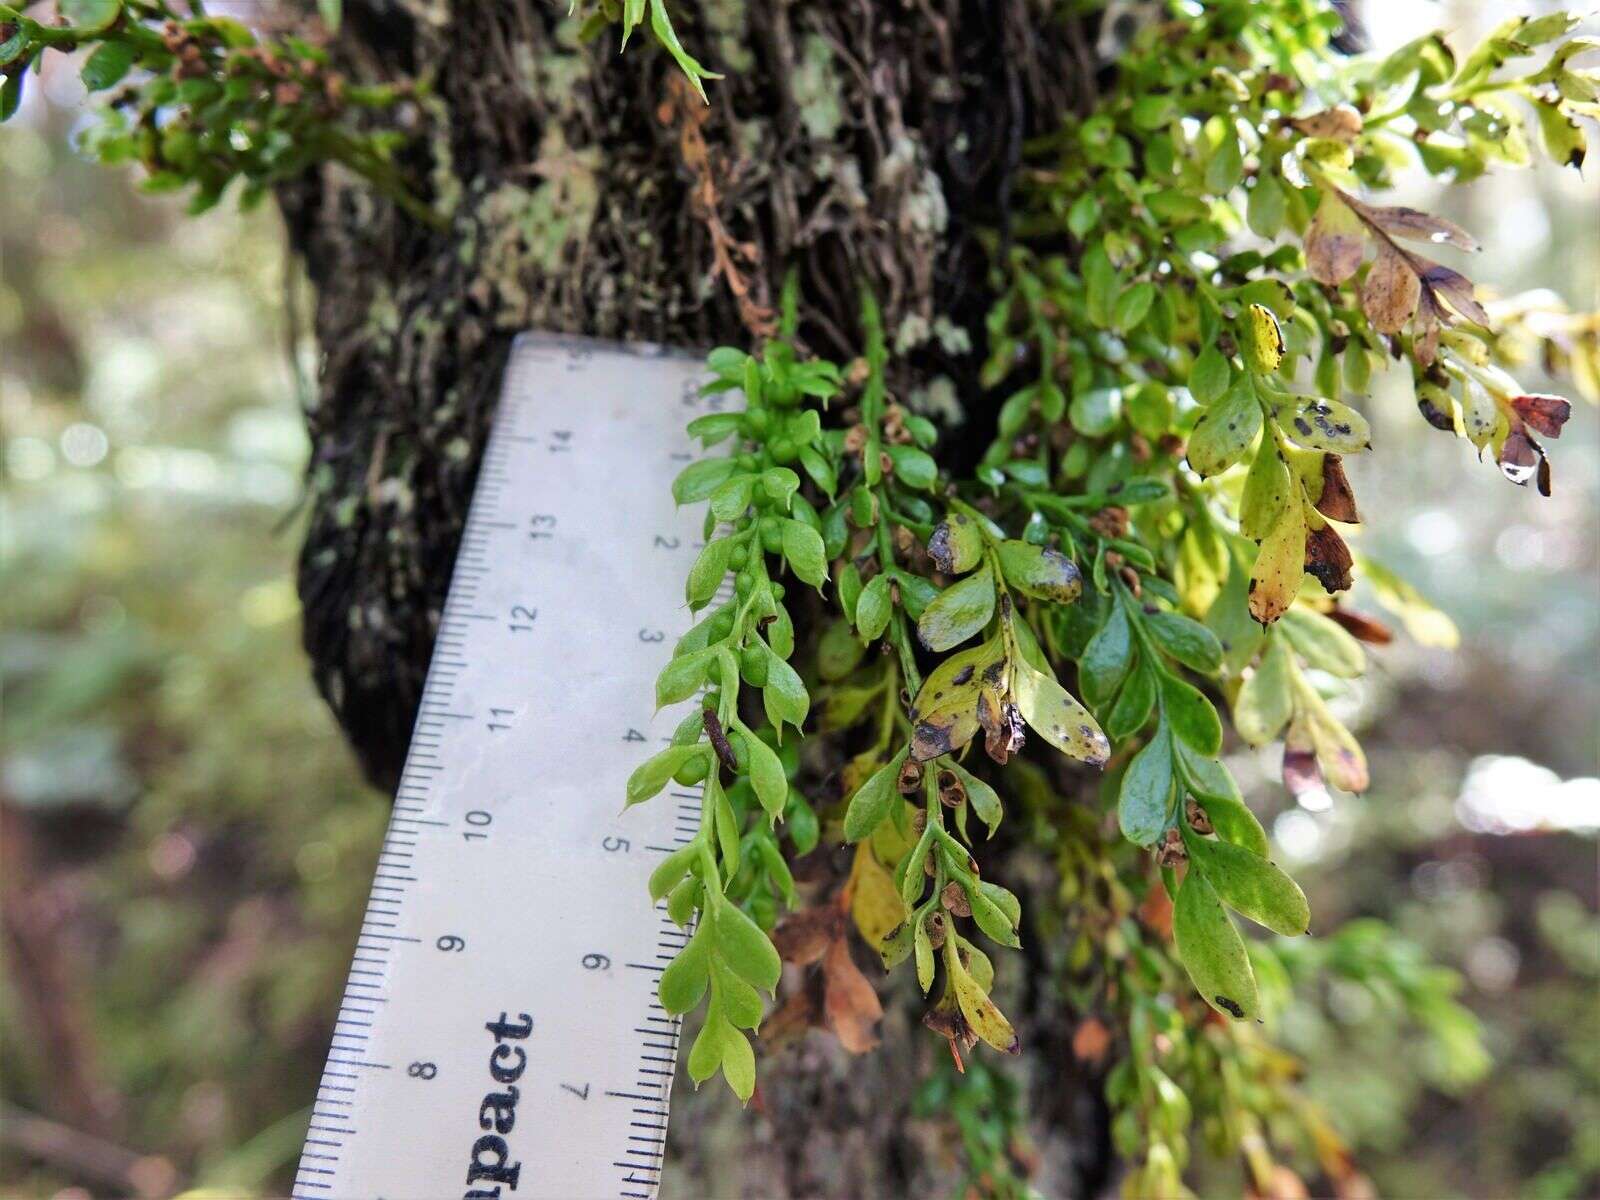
x=1225, y=431
x=1319, y=424
x=1212, y=949
x=1058, y=718
x=956, y=544
x=1280, y=564
x=1040, y=572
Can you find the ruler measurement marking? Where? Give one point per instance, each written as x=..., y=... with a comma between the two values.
x=536, y=574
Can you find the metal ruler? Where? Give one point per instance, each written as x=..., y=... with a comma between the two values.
x=500, y=1035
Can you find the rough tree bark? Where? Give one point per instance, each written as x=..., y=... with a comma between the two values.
x=861, y=142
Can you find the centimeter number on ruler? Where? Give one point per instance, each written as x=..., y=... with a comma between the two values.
x=499, y=1036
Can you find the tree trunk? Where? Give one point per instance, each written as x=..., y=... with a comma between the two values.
x=861, y=143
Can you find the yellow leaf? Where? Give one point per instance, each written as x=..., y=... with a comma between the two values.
x=983, y=1016
x=874, y=903
x=1279, y=564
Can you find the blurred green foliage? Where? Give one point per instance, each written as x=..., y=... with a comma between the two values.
x=197, y=840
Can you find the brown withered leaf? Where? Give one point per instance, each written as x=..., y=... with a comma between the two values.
x=1337, y=500
x=1335, y=241
x=1390, y=293
x=1155, y=910
x=954, y=898
x=1425, y=338
x=790, y=1021
x=1328, y=558
x=850, y=1004
x=1361, y=627
x=1302, y=777
x=1342, y=123
x=1090, y=1040
x=1413, y=224
x=803, y=937
x=1520, y=456
x=1544, y=414
x=1454, y=287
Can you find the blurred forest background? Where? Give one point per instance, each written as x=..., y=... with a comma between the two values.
x=187, y=844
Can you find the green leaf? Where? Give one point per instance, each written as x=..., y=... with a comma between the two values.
x=1210, y=376
x=873, y=608
x=738, y=1063
x=1226, y=166
x=1265, y=208
x=1216, y=792
x=1229, y=616
x=11, y=94
x=652, y=774
x=1265, y=700
x=730, y=498
x=1323, y=643
x=683, y=676
x=1054, y=715
x=1134, y=703
x=1105, y=660
x=742, y=943
x=1252, y=886
x=90, y=16
x=717, y=427
x=1040, y=572
x=914, y=468
x=738, y=1001
x=684, y=981
x=1188, y=641
x=108, y=64
x=705, y=1056
x=1266, y=491
x=661, y=26
x=1225, y=431
x=958, y=612
x=710, y=565
x=1132, y=306
x=784, y=696
x=771, y=785
x=873, y=800
x=1192, y=716
x=990, y=918
x=1212, y=949
x=699, y=479
x=984, y=800
x=802, y=546
x=1094, y=413
x=924, y=953
x=1145, y=800
x=670, y=871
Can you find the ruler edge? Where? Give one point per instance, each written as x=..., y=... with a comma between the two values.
x=522, y=342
